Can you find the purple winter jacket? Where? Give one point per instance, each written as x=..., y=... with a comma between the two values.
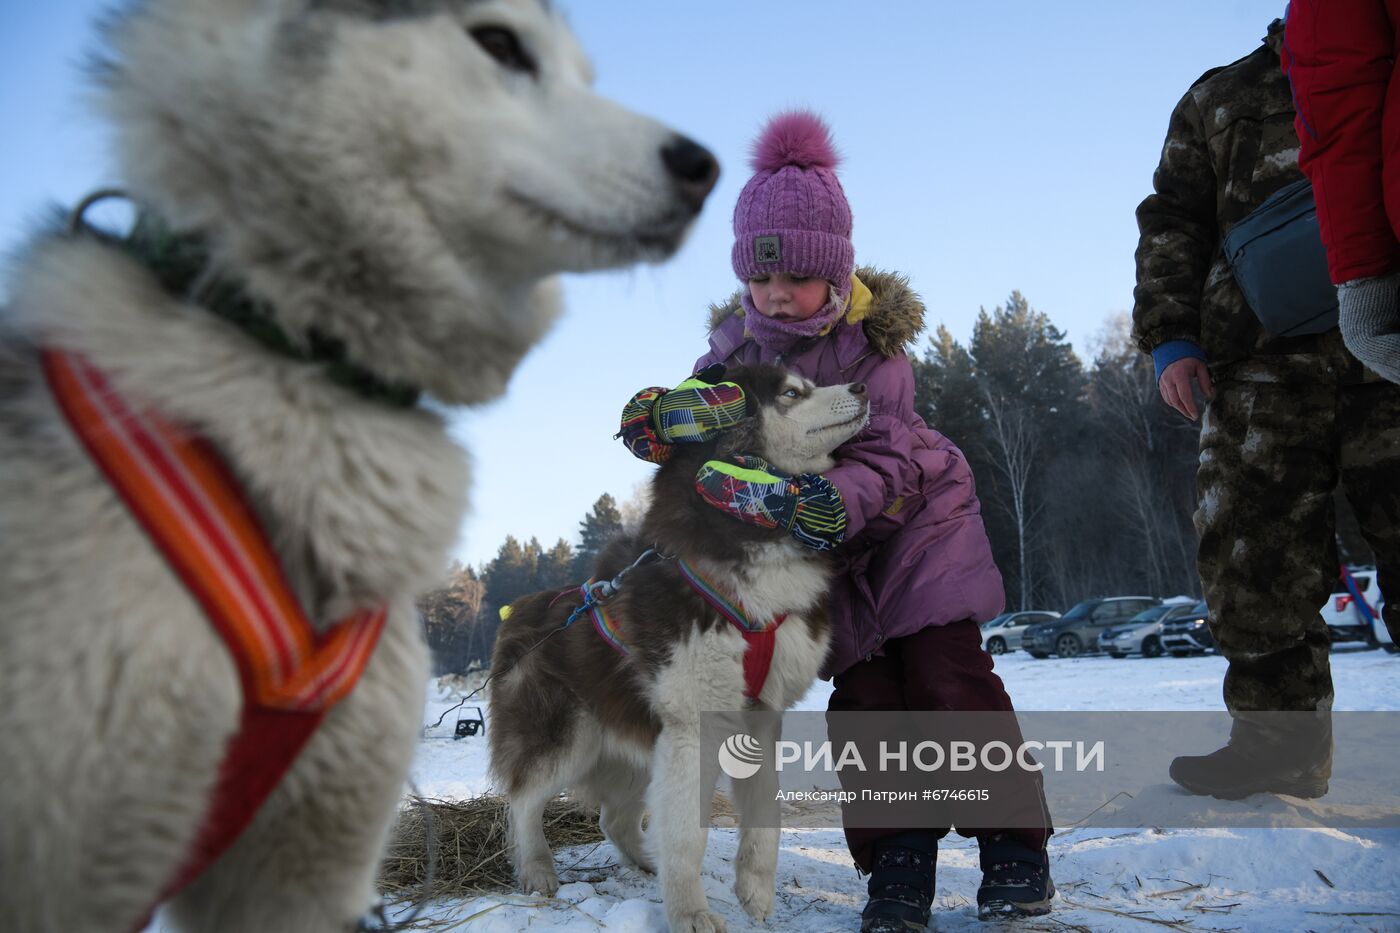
x=916, y=553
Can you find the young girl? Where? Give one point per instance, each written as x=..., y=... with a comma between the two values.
x=899, y=508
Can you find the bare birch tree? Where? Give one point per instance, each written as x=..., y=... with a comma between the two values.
x=1153, y=454
x=1013, y=442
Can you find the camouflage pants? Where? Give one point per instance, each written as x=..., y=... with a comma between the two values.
x=1279, y=435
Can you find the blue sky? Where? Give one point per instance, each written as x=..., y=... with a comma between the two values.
x=988, y=147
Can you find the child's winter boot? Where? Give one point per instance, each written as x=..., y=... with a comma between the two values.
x=901, y=883
x=1015, y=880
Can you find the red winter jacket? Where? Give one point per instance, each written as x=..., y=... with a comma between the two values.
x=1340, y=57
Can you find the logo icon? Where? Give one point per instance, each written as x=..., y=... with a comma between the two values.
x=766, y=249
x=740, y=756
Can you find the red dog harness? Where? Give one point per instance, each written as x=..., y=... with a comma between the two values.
x=184, y=496
x=759, y=639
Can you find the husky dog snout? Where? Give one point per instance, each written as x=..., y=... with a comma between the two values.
x=850, y=402
x=695, y=169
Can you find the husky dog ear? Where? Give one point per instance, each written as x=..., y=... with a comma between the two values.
x=743, y=438
x=761, y=383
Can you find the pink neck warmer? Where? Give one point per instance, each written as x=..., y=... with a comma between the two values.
x=782, y=336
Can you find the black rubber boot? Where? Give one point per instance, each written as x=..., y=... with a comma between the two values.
x=1230, y=774
x=901, y=884
x=1281, y=754
x=1015, y=880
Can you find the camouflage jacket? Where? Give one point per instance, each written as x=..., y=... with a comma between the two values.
x=1230, y=144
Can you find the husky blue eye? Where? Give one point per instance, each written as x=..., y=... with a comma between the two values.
x=504, y=46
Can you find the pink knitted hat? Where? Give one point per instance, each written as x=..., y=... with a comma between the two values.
x=792, y=216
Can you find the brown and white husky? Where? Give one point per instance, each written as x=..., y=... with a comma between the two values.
x=624, y=729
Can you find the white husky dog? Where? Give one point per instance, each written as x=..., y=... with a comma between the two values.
x=394, y=178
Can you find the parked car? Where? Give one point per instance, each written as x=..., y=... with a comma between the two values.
x=1346, y=619
x=1188, y=633
x=1137, y=634
x=1003, y=633
x=1143, y=632
x=1078, y=630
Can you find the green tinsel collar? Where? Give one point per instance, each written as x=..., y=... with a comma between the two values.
x=180, y=264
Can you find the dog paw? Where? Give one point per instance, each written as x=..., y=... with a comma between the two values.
x=640, y=862
x=539, y=877
x=631, y=853
x=755, y=895
x=699, y=921
x=636, y=856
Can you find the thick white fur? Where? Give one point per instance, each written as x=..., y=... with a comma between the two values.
x=367, y=177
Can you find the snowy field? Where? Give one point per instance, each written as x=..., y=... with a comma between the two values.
x=1109, y=880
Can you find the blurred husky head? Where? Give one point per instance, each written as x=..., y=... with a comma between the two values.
x=402, y=175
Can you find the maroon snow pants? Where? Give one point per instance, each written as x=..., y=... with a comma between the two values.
x=939, y=668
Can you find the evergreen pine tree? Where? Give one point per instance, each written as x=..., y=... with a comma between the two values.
x=556, y=567
x=451, y=620
x=599, y=526
x=511, y=573
x=945, y=390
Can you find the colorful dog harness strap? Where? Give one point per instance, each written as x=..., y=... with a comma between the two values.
x=604, y=623
x=186, y=499
x=760, y=639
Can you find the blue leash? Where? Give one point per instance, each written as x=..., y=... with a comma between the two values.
x=593, y=593
x=597, y=592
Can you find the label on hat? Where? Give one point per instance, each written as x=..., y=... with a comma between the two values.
x=766, y=249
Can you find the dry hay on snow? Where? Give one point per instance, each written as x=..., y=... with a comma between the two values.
x=471, y=839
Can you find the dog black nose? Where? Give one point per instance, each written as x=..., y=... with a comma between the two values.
x=693, y=167
x=858, y=390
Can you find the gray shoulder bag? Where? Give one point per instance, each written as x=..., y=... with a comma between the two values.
x=1278, y=259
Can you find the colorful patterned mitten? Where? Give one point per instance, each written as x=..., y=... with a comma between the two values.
x=694, y=411
x=637, y=431
x=808, y=506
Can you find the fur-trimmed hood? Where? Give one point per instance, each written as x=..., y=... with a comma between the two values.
x=892, y=322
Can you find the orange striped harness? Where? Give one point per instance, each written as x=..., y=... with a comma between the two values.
x=180, y=491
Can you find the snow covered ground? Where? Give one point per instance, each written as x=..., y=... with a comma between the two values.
x=1109, y=880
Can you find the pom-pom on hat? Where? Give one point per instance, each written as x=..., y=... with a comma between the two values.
x=792, y=216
